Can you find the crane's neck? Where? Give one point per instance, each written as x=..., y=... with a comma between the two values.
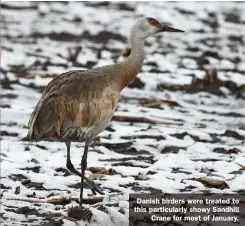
x=133, y=64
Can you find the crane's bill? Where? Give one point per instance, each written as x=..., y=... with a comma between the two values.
x=171, y=29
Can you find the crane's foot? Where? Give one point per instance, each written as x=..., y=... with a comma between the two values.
x=94, y=187
x=80, y=213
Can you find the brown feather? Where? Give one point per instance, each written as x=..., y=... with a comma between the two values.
x=73, y=103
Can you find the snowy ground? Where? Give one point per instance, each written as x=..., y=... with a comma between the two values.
x=190, y=91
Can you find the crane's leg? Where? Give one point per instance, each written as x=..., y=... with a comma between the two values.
x=94, y=188
x=83, y=168
x=69, y=164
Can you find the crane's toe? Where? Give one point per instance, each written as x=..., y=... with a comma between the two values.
x=94, y=186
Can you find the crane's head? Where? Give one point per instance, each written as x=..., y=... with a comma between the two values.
x=148, y=26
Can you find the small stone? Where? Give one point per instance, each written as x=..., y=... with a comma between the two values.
x=34, y=160
x=17, y=190
x=26, y=210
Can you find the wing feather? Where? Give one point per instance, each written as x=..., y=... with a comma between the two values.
x=72, y=103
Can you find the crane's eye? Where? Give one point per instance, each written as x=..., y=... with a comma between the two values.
x=154, y=22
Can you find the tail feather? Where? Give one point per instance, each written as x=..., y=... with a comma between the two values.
x=33, y=119
x=46, y=121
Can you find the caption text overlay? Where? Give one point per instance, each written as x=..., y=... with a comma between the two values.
x=186, y=209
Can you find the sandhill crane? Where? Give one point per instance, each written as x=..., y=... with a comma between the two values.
x=77, y=105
